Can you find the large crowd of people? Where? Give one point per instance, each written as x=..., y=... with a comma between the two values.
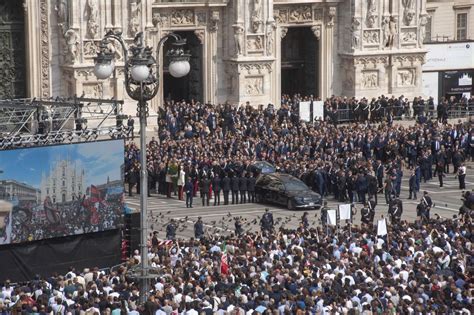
x=418, y=267
x=351, y=161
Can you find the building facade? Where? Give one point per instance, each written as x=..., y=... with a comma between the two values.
x=11, y=189
x=242, y=50
x=64, y=182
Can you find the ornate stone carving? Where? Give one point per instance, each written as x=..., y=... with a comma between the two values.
x=408, y=11
x=371, y=37
x=331, y=16
x=115, y=48
x=409, y=60
x=134, y=23
x=300, y=14
x=45, y=83
x=389, y=29
x=406, y=77
x=255, y=67
x=408, y=36
x=371, y=62
x=257, y=16
x=200, y=34
x=255, y=43
x=318, y=15
x=281, y=16
x=370, y=79
x=238, y=39
x=423, y=22
x=182, y=17
x=201, y=18
x=156, y=20
x=90, y=49
x=270, y=35
x=63, y=16
x=72, y=41
x=92, y=13
x=355, y=32
x=371, y=16
x=214, y=21
x=253, y=86
x=95, y=90
x=316, y=31
x=283, y=31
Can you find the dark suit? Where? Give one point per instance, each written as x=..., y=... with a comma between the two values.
x=234, y=185
x=216, y=187
x=225, y=185
x=204, y=186
x=188, y=188
x=412, y=186
x=243, y=189
x=251, y=188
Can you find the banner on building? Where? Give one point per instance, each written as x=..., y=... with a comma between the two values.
x=61, y=190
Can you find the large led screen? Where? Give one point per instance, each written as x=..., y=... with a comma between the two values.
x=61, y=190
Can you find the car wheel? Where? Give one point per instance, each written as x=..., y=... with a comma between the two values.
x=290, y=204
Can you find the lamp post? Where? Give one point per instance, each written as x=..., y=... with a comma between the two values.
x=142, y=81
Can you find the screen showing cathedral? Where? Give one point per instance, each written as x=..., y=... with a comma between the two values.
x=61, y=190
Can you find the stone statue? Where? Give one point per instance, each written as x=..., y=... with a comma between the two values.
x=92, y=9
x=386, y=30
x=134, y=23
x=270, y=29
x=392, y=32
x=371, y=13
x=71, y=39
x=423, y=22
x=257, y=15
x=408, y=12
x=61, y=10
x=355, y=32
x=239, y=39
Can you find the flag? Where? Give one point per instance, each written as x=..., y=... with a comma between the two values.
x=332, y=217
x=95, y=194
x=345, y=212
x=382, y=227
x=224, y=262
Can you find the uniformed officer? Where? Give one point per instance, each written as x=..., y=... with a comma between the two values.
x=427, y=203
x=204, y=186
x=171, y=230
x=251, y=180
x=198, y=228
x=234, y=185
x=216, y=187
x=305, y=220
x=371, y=205
x=395, y=210
x=243, y=188
x=225, y=185
x=324, y=214
x=266, y=222
x=238, y=227
x=412, y=185
x=365, y=215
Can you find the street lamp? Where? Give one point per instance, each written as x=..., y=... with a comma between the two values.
x=142, y=78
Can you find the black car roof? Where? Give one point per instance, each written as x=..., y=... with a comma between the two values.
x=281, y=176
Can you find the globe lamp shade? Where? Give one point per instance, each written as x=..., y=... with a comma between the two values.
x=179, y=68
x=140, y=72
x=103, y=70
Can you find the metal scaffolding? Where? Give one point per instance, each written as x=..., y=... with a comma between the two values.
x=33, y=122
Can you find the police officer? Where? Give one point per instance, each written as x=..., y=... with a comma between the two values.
x=365, y=215
x=395, y=210
x=216, y=187
x=421, y=211
x=204, y=186
x=189, y=189
x=243, y=188
x=426, y=200
x=225, y=185
x=238, y=227
x=198, y=228
x=266, y=222
x=412, y=185
x=251, y=180
x=371, y=205
x=171, y=230
x=324, y=214
x=305, y=220
x=234, y=185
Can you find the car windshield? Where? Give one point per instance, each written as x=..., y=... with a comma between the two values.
x=295, y=184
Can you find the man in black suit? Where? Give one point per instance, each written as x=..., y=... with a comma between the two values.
x=133, y=177
x=204, y=186
x=243, y=188
x=234, y=185
x=225, y=185
x=131, y=126
x=251, y=180
x=412, y=185
x=216, y=187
